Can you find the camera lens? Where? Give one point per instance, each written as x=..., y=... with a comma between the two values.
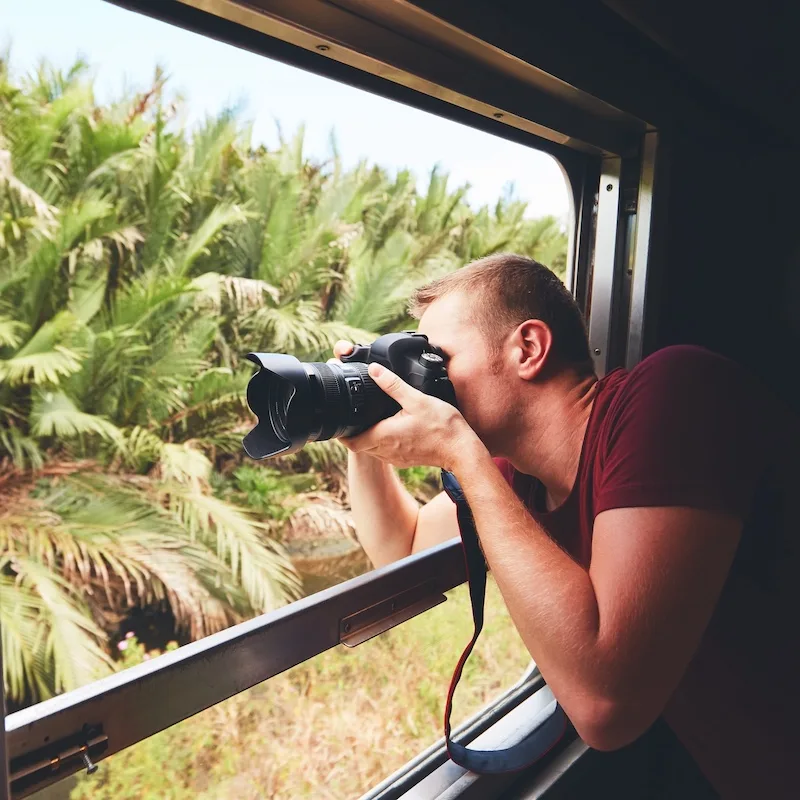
x=346, y=400
x=299, y=402
x=281, y=394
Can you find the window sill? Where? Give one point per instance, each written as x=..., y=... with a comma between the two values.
x=449, y=781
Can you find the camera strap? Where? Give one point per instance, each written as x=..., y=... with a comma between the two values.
x=546, y=735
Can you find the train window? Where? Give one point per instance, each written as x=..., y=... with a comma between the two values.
x=172, y=203
x=334, y=726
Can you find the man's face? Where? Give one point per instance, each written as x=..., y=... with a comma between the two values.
x=484, y=385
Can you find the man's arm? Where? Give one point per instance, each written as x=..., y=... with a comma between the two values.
x=612, y=642
x=389, y=523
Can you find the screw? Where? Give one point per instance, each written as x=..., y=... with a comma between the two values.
x=597, y=351
x=498, y=115
x=91, y=767
x=609, y=187
x=323, y=48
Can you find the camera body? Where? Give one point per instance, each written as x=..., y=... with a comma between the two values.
x=297, y=402
x=412, y=358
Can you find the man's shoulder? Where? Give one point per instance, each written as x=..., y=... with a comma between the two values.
x=685, y=358
x=688, y=381
x=685, y=369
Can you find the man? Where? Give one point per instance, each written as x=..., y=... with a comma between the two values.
x=634, y=524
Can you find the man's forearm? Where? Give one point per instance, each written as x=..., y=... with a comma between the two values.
x=385, y=514
x=549, y=596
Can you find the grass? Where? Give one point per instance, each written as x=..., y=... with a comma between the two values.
x=330, y=728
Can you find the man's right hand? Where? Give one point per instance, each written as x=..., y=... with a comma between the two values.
x=389, y=522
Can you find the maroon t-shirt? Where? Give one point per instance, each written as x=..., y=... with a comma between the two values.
x=687, y=427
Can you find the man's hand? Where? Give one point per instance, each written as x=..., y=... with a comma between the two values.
x=389, y=522
x=426, y=431
x=341, y=348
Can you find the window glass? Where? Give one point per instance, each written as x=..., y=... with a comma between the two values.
x=167, y=205
x=332, y=727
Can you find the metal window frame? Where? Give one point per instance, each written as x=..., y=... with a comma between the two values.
x=395, y=49
x=4, y=786
x=642, y=251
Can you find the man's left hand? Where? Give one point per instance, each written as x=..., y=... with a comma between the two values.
x=426, y=431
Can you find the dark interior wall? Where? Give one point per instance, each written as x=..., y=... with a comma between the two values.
x=730, y=266
x=748, y=55
x=728, y=243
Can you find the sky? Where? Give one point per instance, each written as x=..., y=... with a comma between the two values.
x=123, y=49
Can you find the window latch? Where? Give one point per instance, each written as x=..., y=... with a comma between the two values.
x=28, y=771
x=375, y=619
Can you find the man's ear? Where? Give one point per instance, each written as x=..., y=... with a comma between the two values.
x=533, y=341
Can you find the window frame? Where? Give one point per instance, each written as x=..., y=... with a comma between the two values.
x=406, y=54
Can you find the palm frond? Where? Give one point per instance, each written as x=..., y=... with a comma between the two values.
x=182, y=463
x=140, y=303
x=43, y=360
x=41, y=267
x=222, y=216
x=139, y=553
x=74, y=642
x=258, y=562
x=217, y=399
x=298, y=329
x=44, y=212
x=40, y=368
x=54, y=414
x=378, y=283
x=23, y=449
x=142, y=446
x=243, y=294
x=11, y=332
x=24, y=668
x=326, y=457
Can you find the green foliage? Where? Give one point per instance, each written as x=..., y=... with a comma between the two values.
x=270, y=491
x=139, y=262
x=87, y=547
x=423, y=482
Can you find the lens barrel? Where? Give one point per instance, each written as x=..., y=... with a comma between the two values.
x=297, y=403
x=346, y=400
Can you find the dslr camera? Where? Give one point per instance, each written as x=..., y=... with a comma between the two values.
x=297, y=402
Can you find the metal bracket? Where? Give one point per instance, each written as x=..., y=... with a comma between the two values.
x=630, y=198
x=40, y=766
x=370, y=621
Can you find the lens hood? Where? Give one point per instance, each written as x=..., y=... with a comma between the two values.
x=279, y=394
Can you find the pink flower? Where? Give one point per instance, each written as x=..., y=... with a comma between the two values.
x=123, y=645
x=146, y=657
x=129, y=635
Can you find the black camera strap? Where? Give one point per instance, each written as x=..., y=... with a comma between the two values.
x=551, y=730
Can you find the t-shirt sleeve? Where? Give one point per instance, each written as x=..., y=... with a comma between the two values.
x=686, y=430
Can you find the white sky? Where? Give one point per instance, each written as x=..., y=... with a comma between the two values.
x=123, y=49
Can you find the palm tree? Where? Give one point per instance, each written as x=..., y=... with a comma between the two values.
x=138, y=263
x=104, y=364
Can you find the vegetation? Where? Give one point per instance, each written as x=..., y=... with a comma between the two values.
x=139, y=261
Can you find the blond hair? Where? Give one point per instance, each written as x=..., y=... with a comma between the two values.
x=509, y=289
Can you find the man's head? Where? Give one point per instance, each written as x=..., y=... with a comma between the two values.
x=509, y=327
